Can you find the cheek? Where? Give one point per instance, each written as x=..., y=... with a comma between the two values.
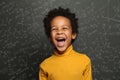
x=52, y=35
x=69, y=34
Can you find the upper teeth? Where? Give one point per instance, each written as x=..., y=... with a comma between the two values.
x=60, y=39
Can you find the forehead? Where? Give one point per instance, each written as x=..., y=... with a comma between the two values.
x=60, y=20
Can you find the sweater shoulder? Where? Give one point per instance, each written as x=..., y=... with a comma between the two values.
x=47, y=60
x=82, y=56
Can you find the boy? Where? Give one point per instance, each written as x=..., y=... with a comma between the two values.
x=65, y=64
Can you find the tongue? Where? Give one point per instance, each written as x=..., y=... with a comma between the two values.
x=60, y=43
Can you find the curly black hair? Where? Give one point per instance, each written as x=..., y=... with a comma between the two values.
x=60, y=12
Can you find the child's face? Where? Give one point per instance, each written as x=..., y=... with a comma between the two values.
x=61, y=33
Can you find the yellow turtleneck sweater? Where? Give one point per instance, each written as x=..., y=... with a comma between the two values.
x=70, y=65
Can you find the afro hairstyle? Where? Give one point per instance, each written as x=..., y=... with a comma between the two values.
x=60, y=12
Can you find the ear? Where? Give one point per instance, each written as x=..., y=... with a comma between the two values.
x=50, y=39
x=74, y=35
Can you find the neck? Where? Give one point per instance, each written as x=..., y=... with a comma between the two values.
x=66, y=52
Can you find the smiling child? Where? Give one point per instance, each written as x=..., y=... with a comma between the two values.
x=61, y=27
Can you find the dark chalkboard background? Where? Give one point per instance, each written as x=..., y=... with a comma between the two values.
x=23, y=43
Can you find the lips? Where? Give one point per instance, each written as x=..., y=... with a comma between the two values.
x=60, y=41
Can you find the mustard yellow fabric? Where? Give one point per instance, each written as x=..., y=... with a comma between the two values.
x=70, y=65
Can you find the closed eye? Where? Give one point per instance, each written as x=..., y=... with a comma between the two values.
x=65, y=28
x=54, y=28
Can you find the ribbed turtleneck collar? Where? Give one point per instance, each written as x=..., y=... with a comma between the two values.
x=66, y=52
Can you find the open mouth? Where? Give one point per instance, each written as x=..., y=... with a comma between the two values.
x=60, y=39
x=60, y=42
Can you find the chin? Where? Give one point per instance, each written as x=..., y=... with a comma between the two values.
x=62, y=49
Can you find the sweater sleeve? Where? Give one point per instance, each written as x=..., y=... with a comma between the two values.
x=42, y=73
x=88, y=72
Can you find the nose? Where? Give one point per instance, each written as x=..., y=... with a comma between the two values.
x=60, y=31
